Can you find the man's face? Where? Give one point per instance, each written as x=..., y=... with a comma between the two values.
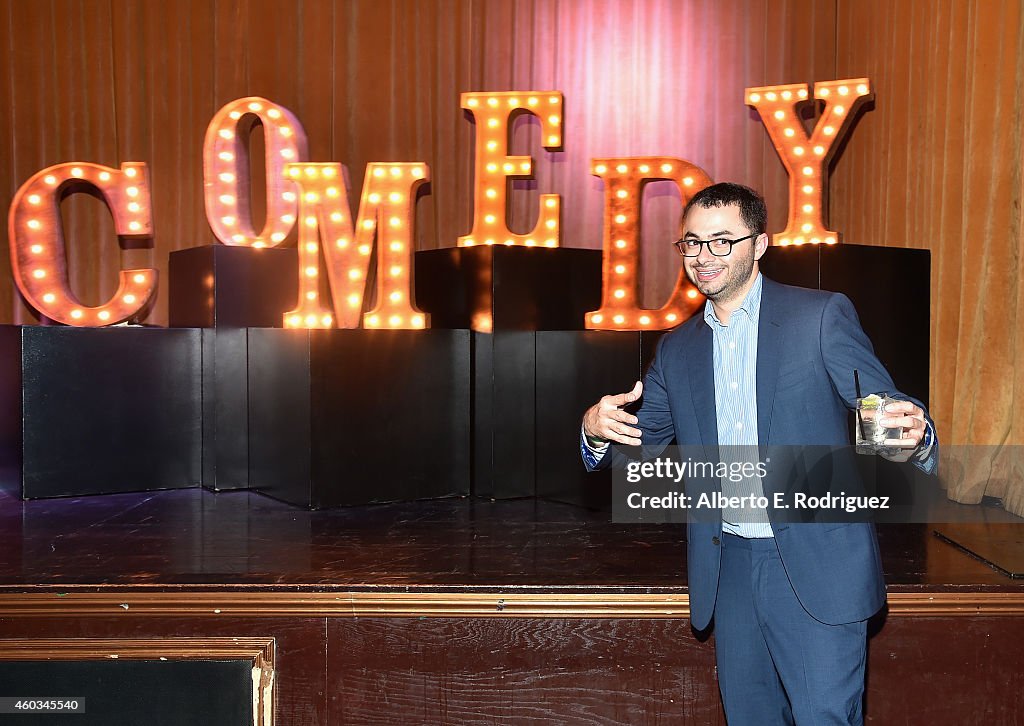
x=720, y=278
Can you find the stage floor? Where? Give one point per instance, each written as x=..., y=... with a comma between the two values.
x=464, y=610
x=196, y=539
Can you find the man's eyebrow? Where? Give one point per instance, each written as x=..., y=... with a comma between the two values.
x=723, y=233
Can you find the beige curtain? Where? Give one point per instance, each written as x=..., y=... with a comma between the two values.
x=936, y=164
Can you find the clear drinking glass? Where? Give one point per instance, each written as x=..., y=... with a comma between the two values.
x=871, y=435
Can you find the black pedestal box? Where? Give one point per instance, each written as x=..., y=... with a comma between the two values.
x=504, y=414
x=224, y=290
x=100, y=410
x=574, y=370
x=495, y=288
x=341, y=417
x=232, y=287
x=225, y=408
x=506, y=294
x=890, y=288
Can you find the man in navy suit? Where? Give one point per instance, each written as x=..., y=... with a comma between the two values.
x=767, y=364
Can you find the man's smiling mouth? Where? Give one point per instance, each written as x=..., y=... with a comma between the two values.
x=706, y=275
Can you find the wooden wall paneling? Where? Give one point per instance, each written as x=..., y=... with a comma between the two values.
x=634, y=88
x=450, y=51
x=624, y=78
x=369, y=102
x=281, y=52
x=529, y=671
x=11, y=305
x=524, y=25
x=929, y=662
x=932, y=670
x=308, y=80
x=288, y=60
x=511, y=56
x=62, y=109
x=874, y=44
x=86, y=104
x=758, y=155
x=420, y=65
x=799, y=44
x=904, y=601
x=300, y=647
x=163, y=82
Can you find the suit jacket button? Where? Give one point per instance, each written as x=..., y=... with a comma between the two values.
x=715, y=541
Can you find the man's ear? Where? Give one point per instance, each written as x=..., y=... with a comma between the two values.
x=760, y=245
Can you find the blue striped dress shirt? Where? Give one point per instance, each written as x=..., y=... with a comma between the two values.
x=735, y=362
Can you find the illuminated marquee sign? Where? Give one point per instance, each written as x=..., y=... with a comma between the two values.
x=38, y=254
x=494, y=167
x=385, y=212
x=315, y=195
x=806, y=157
x=624, y=181
x=226, y=178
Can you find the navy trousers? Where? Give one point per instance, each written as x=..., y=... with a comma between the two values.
x=777, y=664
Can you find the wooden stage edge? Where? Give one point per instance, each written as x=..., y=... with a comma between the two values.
x=136, y=602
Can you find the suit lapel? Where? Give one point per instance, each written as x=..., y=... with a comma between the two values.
x=701, y=360
x=770, y=340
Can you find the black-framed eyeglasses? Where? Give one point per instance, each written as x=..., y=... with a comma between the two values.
x=690, y=246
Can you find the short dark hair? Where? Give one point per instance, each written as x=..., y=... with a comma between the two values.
x=752, y=208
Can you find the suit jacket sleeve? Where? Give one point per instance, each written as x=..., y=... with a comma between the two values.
x=846, y=348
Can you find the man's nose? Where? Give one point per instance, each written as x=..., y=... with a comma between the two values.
x=704, y=256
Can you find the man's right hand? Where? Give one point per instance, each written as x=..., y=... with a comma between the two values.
x=606, y=421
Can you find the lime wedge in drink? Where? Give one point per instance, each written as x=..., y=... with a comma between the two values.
x=871, y=402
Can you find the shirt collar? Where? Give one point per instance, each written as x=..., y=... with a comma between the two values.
x=750, y=305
